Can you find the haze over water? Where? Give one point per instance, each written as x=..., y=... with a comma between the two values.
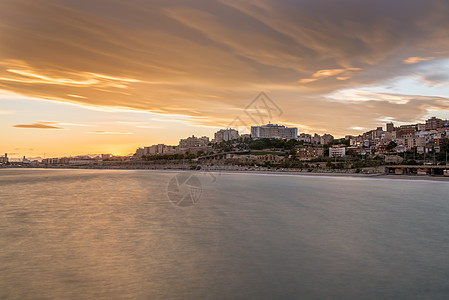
x=113, y=234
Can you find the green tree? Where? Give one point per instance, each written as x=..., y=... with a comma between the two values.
x=391, y=145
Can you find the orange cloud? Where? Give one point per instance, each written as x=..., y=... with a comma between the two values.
x=207, y=59
x=26, y=75
x=329, y=73
x=76, y=96
x=415, y=59
x=38, y=125
x=307, y=80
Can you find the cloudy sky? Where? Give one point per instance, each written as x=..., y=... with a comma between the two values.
x=92, y=76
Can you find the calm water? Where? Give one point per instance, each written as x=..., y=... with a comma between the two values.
x=106, y=234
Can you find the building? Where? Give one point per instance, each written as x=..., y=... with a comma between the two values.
x=4, y=159
x=434, y=123
x=424, y=149
x=106, y=156
x=406, y=130
x=274, y=131
x=225, y=135
x=306, y=138
x=337, y=151
x=390, y=127
x=326, y=139
x=193, y=141
x=439, y=141
x=412, y=142
x=155, y=150
x=387, y=136
x=378, y=133
x=308, y=153
x=421, y=127
x=139, y=153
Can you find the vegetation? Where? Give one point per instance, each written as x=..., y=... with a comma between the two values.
x=391, y=146
x=273, y=144
x=287, y=149
x=168, y=157
x=342, y=141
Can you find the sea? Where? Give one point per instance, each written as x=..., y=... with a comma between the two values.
x=142, y=234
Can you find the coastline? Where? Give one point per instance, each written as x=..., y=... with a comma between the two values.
x=283, y=172
x=330, y=174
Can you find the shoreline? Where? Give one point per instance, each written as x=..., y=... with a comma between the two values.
x=333, y=175
x=218, y=172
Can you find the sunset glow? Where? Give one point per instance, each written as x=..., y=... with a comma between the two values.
x=79, y=77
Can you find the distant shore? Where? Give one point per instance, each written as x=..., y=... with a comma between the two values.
x=330, y=174
x=218, y=171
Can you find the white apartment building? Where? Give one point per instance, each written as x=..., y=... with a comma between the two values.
x=193, y=141
x=274, y=131
x=224, y=135
x=337, y=152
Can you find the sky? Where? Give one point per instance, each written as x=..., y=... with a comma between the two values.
x=108, y=76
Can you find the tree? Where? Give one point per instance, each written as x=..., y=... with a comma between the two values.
x=391, y=145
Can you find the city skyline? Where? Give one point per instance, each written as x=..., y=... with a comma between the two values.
x=432, y=128
x=107, y=76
